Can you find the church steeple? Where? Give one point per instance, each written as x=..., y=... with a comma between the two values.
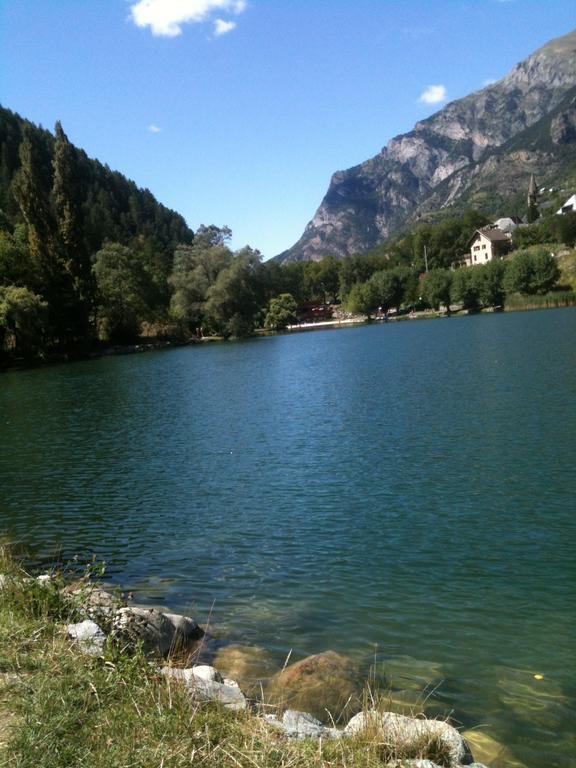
x=533, y=212
x=532, y=192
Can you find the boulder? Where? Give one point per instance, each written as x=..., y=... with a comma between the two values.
x=249, y=665
x=157, y=632
x=301, y=725
x=186, y=630
x=320, y=684
x=92, y=602
x=204, y=683
x=413, y=738
x=88, y=636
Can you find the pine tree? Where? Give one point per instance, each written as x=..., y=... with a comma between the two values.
x=31, y=191
x=66, y=197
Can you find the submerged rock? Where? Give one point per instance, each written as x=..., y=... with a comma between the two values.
x=486, y=749
x=205, y=683
x=410, y=702
x=249, y=665
x=88, y=636
x=407, y=672
x=320, y=684
x=412, y=737
x=158, y=633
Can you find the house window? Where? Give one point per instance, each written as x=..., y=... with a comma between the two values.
x=483, y=246
x=475, y=257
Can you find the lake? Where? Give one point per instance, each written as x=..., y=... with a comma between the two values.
x=386, y=491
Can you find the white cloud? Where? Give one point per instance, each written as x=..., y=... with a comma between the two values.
x=154, y=128
x=166, y=17
x=434, y=94
x=222, y=27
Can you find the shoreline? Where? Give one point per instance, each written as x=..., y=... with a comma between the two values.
x=157, y=345
x=87, y=640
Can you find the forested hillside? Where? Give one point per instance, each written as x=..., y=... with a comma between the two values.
x=57, y=210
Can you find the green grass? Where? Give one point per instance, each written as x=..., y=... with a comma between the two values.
x=60, y=709
x=567, y=264
x=517, y=301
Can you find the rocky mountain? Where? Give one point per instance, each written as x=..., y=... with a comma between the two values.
x=524, y=123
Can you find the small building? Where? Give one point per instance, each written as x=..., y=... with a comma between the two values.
x=569, y=206
x=313, y=312
x=488, y=244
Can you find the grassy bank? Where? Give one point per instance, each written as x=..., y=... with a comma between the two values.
x=517, y=302
x=61, y=709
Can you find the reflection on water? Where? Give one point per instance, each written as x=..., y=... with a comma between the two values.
x=393, y=493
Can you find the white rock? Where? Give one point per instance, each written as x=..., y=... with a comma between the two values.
x=230, y=696
x=3, y=581
x=204, y=683
x=208, y=674
x=301, y=725
x=88, y=635
x=408, y=731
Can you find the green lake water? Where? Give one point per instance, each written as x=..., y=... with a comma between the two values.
x=388, y=491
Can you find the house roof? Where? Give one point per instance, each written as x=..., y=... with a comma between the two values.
x=494, y=235
x=571, y=201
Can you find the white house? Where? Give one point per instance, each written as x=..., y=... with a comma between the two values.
x=487, y=244
x=569, y=205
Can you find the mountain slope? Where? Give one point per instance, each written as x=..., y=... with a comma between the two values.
x=367, y=203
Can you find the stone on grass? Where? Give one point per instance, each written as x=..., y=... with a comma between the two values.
x=320, y=684
x=3, y=581
x=204, y=683
x=92, y=602
x=88, y=636
x=157, y=632
x=301, y=725
x=413, y=738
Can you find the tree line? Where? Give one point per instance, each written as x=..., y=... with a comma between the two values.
x=86, y=257
x=528, y=271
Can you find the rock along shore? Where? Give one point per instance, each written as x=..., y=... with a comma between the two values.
x=173, y=644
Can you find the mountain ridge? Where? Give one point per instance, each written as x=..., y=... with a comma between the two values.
x=367, y=203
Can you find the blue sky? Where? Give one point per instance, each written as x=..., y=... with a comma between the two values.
x=237, y=112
